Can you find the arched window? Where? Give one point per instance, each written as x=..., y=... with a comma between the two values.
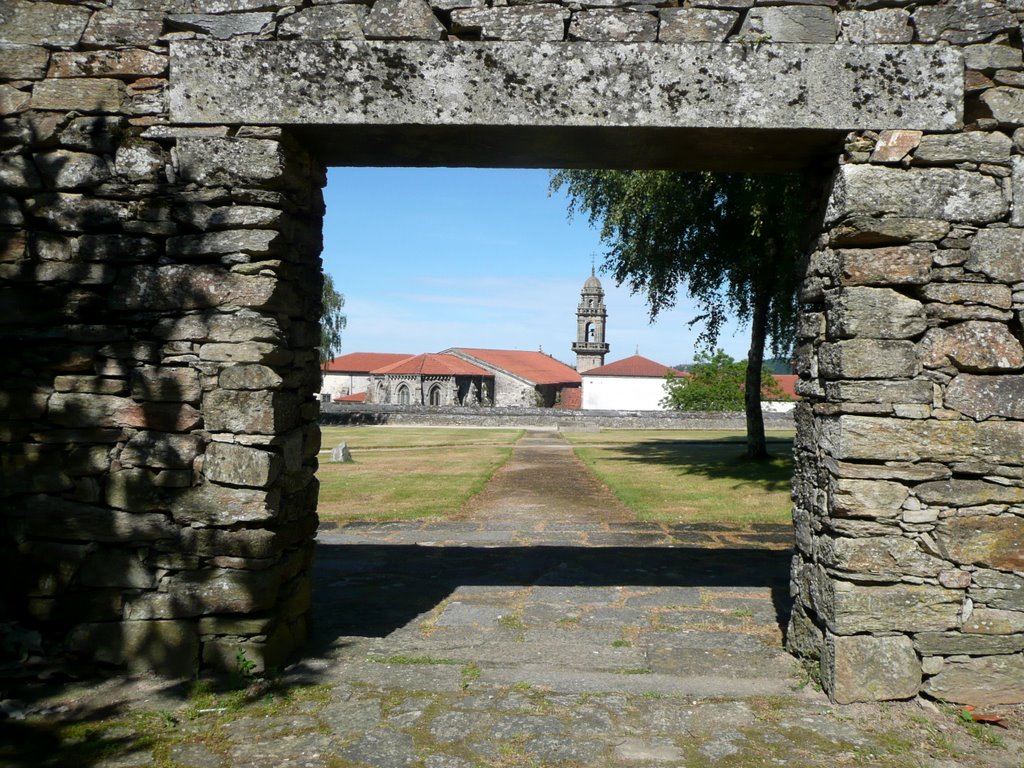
x=403, y=395
x=590, y=331
x=434, y=398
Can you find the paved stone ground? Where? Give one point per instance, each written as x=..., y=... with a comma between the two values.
x=527, y=634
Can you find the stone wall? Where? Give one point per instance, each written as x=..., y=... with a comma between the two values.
x=909, y=484
x=364, y=414
x=159, y=291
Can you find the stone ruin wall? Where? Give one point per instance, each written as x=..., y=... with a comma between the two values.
x=159, y=288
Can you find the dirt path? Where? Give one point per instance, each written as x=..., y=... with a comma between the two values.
x=545, y=483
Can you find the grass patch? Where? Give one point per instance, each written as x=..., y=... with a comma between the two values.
x=406, y=484
x=414, y=437
x=410, y=660
x=691, y=477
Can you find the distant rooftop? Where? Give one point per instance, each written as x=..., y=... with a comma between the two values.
x=538, y=367
x=363, y=362
x=635, y=365
x=433, y=365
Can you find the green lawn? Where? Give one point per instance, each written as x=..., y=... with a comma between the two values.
x=415, y=437
x=691, y=476
x=408, y=480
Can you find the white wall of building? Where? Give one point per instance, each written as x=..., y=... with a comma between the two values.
x=340, y=384
x=618, y=393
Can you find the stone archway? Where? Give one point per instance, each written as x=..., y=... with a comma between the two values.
x=160, y=253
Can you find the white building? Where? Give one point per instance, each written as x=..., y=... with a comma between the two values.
x=632, y=384
x=349, y=374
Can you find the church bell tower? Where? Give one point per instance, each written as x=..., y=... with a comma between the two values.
x=591, y=316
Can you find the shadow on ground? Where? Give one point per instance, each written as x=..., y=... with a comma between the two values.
x=372, y=590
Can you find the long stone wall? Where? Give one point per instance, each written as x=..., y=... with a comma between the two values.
x=354, y=415
x=159, y=289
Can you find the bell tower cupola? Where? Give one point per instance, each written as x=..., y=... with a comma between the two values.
x=591, y=317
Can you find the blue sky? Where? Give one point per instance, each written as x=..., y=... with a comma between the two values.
x=434, y=258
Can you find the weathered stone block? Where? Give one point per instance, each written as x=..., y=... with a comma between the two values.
x=933, y=193
x=241, y=326
x=980, y=682
x=249, y=376
x=893, y=146
x=867, y=358
x=22, y=62
x=161, y=450
x=866, y=668
x=92, y=95
x=791, y=24
x=88, y=410
x=680, y=85
x=613, y=26
x=63, y=169
x=870, y=231
x=866, y=498
x=51, y=517
x=77, y=213
x=244, y=542
x=223, y=26
x=139, y=161
x=167, y=384
x=403, y=20
x=535, y=23
x=231, y=216
x=212, y=161
x=899, y=265
x=871, y=438
x=179, y=286
x=962, y=21
x=211, y=504
x=968, y=493
x=875, y=313
x=695, y=25
x=240, y=465
x=855, y=608
x=993, y=541
x=223, y=591
x=961, y=644
x=917, y=391
x=993, y=621
x=972, y=147
x=997, y=253
x=887, y=25
x=29, y=23
x=1006, y=104
x=999, y=296
x=992, y=56
x=129, y=63
x=12, y=102
x=974, y=346
x=123, y=27
x=256, y=242
x=325, y=22
x=891, y=556
x=245, y=352
x=256, y=412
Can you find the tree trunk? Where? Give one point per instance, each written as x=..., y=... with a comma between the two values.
x=757, y=448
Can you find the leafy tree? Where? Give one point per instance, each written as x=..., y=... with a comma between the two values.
x=715, y=382
x=732, y=240
x=332, y=321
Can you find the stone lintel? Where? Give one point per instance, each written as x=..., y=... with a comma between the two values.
x=524, y=97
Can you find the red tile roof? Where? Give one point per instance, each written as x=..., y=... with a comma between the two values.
x=363, y=362
x=633, y=366
x=787, y=382
x=536, y=367
x=433, y=365
x=355, y=397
